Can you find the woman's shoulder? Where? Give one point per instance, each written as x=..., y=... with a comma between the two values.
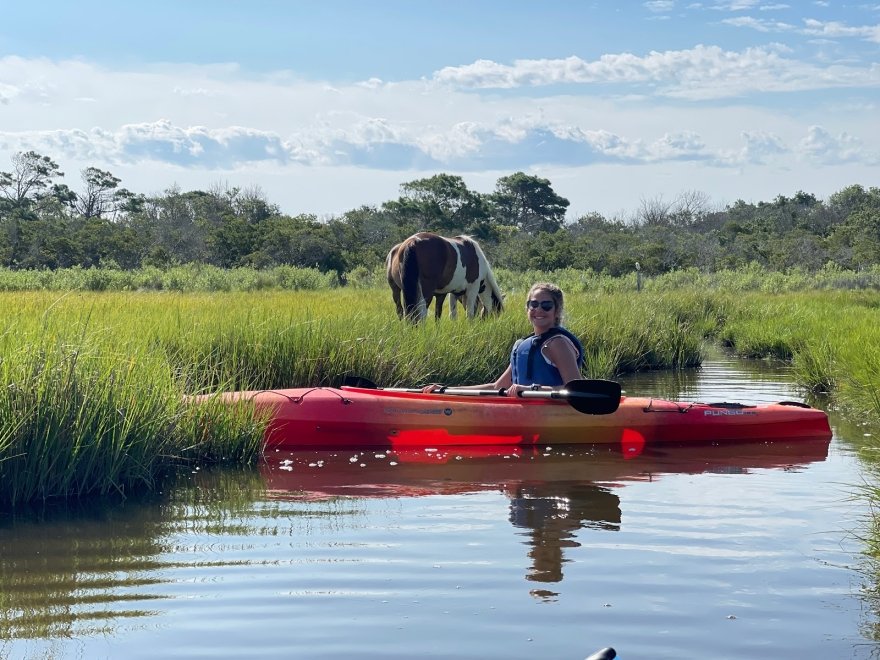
x=560, y=339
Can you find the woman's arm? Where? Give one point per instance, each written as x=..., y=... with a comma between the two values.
x=563, y=356
x=502, y=382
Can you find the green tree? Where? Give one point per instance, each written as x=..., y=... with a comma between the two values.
x=171, y=227
x=299, y=241
x=856, y=243
x=528, y=203
x=445, y=205
x=101, y=196
x=30, y=178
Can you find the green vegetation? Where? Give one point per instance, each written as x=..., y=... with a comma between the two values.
x=94, y=387
x=86, y=407
x=522, y=224
x=117, y=306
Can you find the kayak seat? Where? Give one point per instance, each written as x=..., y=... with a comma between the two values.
x=732, y=406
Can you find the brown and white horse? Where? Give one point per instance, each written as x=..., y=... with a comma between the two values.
x=427, y=266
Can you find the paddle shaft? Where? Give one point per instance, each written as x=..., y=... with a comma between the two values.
x=526, y=394
x=591, y=397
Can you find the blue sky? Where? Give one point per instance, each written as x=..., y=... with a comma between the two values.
x=327, y=106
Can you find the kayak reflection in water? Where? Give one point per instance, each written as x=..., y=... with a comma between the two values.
x=553, y=513
x=550, y=357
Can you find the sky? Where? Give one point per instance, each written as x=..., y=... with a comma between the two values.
x=331, y=105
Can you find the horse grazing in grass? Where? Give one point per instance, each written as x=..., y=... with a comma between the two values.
x=426, y=266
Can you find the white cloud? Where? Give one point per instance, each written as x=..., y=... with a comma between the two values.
x=835, y=29
x=383, y=145
x=735, y=5
x=761, y=25
x=160, y=141
x=659, y=6
x=821, y=146
x=7, y=93
x=760, y=146
x=702, y=72
x=811, y=27
x=193, y=125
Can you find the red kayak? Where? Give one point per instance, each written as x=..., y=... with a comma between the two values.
x=584, y=412
x=547, y=472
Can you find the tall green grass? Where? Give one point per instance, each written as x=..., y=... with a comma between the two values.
x=188, y=277
x=196, y=277
x=86, y=408
x=831, y=338
x=94, y=386
x=312, y=338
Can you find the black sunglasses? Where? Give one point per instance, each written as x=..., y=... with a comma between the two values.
x=546, y=305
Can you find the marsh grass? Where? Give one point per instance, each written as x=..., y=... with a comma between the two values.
x=188, y=278
x=194, y=277
x=832, y=339
x=94, y=386
x=87, y=409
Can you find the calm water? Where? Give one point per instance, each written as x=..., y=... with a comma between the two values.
x=742, y=552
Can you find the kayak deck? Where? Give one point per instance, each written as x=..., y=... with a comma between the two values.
x=351, y=417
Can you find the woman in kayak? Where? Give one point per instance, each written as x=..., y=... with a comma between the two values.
x=550, y=357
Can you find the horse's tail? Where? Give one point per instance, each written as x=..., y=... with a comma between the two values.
x=409, y=280
x=389, y=263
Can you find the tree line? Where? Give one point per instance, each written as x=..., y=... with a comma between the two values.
x=522, y=224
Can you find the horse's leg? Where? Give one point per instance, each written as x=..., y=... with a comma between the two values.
x=470, y=301
x=424, y=299
x=395, y=294
x=439, y=298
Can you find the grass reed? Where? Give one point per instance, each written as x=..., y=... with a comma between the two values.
x=94, y=385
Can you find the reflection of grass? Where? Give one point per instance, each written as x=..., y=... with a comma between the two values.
x=66, y=569
x=93, y=385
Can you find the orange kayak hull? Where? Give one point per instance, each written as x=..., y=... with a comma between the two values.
x=349, y=417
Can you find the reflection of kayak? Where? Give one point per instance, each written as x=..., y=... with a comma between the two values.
x=538, y=471
x=553, y=491
x=360, y=417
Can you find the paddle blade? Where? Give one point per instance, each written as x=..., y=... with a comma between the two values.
x=592, y=397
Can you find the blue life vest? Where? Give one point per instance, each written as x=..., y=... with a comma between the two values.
x=529, y=367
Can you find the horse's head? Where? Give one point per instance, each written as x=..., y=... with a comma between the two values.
x=497, y=303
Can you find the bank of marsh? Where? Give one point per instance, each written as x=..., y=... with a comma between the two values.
x=94, y=385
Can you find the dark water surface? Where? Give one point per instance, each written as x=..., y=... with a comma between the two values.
x=714, y=552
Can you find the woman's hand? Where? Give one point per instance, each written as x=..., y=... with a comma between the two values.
x=515, y=390
x=432, y=388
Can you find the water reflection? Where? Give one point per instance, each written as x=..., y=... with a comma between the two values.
x=723, y=377
x=551, y=518
x=553, y=492
x=78, y=568
x=110, y=567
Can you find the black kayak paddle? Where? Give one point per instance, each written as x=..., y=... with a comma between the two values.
x=591, y=397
